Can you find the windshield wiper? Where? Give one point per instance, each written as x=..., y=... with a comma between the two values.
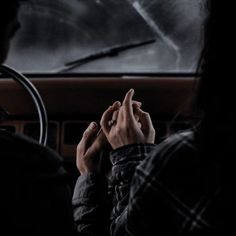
x=112, y=51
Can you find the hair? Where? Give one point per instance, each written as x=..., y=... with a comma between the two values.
x=215, y=101
x=213, y=62
x=216, y=93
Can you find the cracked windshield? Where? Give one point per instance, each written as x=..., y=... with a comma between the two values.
x=108, y=36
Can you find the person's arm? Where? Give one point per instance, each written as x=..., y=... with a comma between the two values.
x=91, y=205
x=90, y=199
x=124, y=160
x=128, y=135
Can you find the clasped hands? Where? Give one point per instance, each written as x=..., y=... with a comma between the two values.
x=121, y=125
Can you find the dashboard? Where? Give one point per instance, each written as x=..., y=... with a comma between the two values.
x=73, y=102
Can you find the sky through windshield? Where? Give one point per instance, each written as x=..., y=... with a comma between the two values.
x=57, y=32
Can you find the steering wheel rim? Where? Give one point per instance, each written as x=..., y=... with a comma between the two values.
x=38, y=101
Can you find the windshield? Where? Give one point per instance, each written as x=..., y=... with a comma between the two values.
x=108, y=36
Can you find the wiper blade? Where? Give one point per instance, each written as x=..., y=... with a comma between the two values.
x=112, y=51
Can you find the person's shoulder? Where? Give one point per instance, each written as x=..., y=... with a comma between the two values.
x=175, y=150
x=22, y=149
x=181, y=136
x=177, y=142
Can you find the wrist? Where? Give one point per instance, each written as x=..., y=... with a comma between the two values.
x=134, y=151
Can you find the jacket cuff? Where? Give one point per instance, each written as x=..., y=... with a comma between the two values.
x=135, y=152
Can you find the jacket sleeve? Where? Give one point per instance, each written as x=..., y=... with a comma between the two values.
x=124, y=160
x=91, y=205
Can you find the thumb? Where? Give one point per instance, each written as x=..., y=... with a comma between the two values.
x=88, y=137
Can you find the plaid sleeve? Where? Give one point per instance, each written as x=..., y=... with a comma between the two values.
x=124, y=161
x=172, y=192
x=90, y=205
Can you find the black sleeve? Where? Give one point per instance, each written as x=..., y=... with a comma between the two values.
x=91, y=205
x=35, y=197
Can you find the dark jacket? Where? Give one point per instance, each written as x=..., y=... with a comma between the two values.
x=35, y=198
x=168, y=189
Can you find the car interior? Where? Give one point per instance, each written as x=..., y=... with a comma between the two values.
x=81, y=56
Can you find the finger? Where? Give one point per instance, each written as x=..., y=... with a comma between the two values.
x=115, y=115
x=116, y=104
x=121, y=112
x=115, y=107
x=127, y=104
x=101, y=138
x=144, y=119
x=99, y=142
x=135, y=107
x=136, y=117
x=88, y=136
x=107, y=116
x=137, y=103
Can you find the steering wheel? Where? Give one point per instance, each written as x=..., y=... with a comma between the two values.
x=33, y=92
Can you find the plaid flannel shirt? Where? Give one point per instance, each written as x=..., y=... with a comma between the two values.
x=173, y=191
x=166, y=189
